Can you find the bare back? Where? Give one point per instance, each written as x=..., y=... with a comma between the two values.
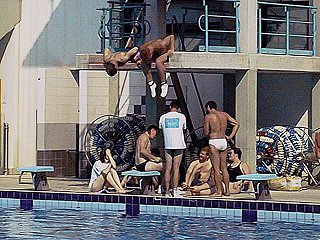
x=217, y=122
x=143, y=144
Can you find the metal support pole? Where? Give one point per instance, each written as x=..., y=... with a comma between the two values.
x=206, y=12
x=314, y=18
x=286, y=10
x=5, y=148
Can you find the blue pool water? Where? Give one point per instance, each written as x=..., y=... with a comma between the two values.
x=82, y=224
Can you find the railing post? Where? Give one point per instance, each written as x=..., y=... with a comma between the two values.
x=236, y=5
x=260, y=29
x=286, y=10
x=314, y=18
x=5, y=149
x=206, y=12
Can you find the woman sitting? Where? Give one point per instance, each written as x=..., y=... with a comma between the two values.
x=104, y=174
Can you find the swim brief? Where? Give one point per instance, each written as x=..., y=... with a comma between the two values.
x=142, y=166
x=219, y=143
x=174, y=152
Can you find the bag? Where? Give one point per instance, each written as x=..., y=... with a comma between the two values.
x=289, y=183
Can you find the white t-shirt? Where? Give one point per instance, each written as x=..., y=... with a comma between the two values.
x=172, y=125
x=97, y=168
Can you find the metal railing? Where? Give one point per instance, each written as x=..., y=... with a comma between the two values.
x=5, y=160
x=286, y=29
x=122, y=23
x=230, y=30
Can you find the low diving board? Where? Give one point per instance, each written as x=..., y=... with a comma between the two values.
x=260, y=184
x=39, y=176
x=145, y=178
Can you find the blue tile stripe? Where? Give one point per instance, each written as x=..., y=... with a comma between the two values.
x=163, y=201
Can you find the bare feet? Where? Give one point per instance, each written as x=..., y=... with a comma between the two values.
x=216, y=195
x=121, y=191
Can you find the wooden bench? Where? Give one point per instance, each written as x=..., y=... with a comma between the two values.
x=146, y=178
x=260, y=184
x=39, y=177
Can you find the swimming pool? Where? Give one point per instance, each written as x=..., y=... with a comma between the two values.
x=83, y=224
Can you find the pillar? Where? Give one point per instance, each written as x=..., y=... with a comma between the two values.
x=246, y=115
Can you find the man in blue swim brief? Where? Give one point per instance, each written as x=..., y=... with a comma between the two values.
x=215, y=125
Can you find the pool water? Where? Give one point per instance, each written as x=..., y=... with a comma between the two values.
x=82, y=224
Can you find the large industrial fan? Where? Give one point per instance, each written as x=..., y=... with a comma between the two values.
x=280, y=150
x=119, y=134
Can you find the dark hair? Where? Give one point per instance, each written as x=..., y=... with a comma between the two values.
x=237, y=151
x=102, y=155
x=175, y=104
x=155, y=152
x=111, y=69
x=211, y=104
x=155, y=127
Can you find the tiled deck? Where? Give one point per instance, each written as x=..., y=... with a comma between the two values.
x=73, y=185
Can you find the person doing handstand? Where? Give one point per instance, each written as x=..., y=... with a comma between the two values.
x=215, y=125
x=112, y=61
x=104, y=175
x=157, y=51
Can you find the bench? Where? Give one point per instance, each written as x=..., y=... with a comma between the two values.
x=39, y=177
x=260, y=184
x=146, y=178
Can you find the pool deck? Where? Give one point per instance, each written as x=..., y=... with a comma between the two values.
x=309, y=194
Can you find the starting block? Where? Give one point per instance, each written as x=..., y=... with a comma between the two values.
x=146, y=178
x=39, y=177
x=260, y=184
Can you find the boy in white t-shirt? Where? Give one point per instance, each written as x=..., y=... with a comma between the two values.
x=172, y=124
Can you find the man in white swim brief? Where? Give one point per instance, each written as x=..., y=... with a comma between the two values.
x=220, y=144
x=215, y=125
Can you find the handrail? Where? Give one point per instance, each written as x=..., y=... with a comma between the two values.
x=288, y=5
x=308, y=36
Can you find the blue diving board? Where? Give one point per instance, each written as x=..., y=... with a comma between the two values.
x=260, y=184
x=39, y=177
x=135, y=173
x=145, y=179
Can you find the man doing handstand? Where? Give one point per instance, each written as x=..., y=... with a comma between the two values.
x=157, y=51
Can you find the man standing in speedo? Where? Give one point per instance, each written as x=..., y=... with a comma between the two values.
x=172, y=124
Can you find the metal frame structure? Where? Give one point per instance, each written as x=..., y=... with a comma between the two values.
x=288, y=21
x=208, y=31
x=113, y=22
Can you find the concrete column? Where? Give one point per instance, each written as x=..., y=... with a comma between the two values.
x=248, y=26
x=315, y=104
x=317, y=4
x=157, y=18
x=246, y=115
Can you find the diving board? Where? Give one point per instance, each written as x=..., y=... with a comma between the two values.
x=39, y=176
x=146, y=178
x=260, y=184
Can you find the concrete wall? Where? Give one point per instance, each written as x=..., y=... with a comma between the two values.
x=283, y=99
x=49, y=35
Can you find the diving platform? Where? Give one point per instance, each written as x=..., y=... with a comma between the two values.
x=216, y=63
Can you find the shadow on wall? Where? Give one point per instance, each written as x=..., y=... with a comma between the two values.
x=72, y=29
x=284, y=98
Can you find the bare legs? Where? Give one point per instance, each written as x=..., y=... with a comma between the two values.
x=107, y=175
x=172, y=165
x=219, y=164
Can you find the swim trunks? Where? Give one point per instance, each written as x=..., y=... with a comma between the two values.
x=174, y=152
x=142, y=166
x=219, y=143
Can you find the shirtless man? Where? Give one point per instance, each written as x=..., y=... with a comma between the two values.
x=157, y=51
x=112, y=61
x=199, y=171
x=144, y=159
x=215, y=125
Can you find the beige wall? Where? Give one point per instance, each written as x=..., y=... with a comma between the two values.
x=10, y=15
